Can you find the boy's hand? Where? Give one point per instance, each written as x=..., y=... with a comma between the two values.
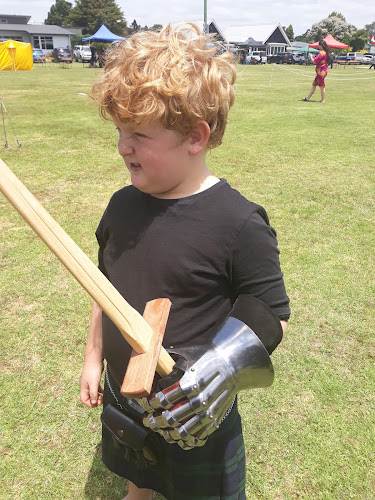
x=91, y=392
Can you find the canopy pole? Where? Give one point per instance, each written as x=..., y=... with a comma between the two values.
x=205, y=26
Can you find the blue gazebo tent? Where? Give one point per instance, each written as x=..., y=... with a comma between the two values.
x=104, y=35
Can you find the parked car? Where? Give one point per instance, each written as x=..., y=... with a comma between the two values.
x=355, y=56
x=297, y=56
x=38, y=56
x=82, y=53
x=274, y=58
x=256, y=57
x=341, y=58
x=62, y=55
x=287, y=58
x=281, y=58
x=368, y=58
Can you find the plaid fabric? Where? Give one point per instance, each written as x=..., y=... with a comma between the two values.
x=212, y=472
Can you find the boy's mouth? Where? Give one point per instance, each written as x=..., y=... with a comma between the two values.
x=134, y=167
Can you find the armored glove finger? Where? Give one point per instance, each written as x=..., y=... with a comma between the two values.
x=190, y=410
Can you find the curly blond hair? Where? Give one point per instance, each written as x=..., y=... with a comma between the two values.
x=175, y=76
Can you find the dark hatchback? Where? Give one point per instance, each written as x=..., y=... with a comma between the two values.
x=62, y=55
x=281, y=58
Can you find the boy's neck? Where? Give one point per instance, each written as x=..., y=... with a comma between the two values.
x=210, y=181
x=196, y=184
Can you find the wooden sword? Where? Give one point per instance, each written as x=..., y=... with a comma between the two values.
x=144, y=334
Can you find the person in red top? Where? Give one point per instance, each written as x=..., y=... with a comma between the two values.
x=321, y=61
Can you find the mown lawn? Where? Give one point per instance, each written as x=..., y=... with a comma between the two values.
x=310, y=436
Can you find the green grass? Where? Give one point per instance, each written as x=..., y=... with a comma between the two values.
x=310, y=436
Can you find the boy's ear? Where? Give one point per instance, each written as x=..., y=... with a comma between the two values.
x=199, y=136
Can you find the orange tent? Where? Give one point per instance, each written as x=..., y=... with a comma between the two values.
x=331, y=42
x=16, y=56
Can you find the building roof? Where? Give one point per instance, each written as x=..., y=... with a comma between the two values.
x=250, y=41
x=15, y=18
x=261, y=32
x=219, y=31
x=35, y=29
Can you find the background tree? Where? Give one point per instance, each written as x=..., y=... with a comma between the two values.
x=289, y=32
x=133, y=27
x=58, y=13
x=76, y=39
x=156, y=27
x=91, y=14
x=335, y=24
x=370, y=28
x=359, y=40
x=337, y=14
x=302, y=38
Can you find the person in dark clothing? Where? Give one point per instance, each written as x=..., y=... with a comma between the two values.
x=179, y=232
x=101, y=58
x=93, y=56
x=333, y=57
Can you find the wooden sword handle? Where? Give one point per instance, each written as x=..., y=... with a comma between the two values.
x=132, y=326
x=140, y=372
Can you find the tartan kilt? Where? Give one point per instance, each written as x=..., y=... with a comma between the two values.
x=214, y=471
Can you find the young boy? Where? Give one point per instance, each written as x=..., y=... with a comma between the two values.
x=177, y=232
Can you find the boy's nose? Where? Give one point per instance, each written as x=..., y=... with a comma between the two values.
x=125, y=148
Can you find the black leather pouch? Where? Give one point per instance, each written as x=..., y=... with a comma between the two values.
x=124, y=429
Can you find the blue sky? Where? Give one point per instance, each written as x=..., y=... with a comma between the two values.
x=301, y=14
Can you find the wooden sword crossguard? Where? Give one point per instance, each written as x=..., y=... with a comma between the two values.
x=141, y=369
x=144, y=334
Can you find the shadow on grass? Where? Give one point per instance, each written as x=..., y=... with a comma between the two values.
x=101, y=483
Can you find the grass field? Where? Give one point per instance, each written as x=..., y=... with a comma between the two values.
x=312, y=434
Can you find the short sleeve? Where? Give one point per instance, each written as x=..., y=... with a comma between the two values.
x=256, y=265
x=101, y=239
x=318, y=58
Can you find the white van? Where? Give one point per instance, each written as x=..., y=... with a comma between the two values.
x=82, y=53
x=354, y=56
x=256, y=56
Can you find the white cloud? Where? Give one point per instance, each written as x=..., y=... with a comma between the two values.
x=301, y=15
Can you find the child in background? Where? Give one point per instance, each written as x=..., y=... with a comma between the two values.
x=179, y=232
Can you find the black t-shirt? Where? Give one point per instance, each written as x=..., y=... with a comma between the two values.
x=201, y=252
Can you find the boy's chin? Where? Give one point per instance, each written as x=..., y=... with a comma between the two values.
x=142, y=186
x=156, y=193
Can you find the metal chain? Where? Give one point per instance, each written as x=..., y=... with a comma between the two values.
x=110, y=388
x=228, y=411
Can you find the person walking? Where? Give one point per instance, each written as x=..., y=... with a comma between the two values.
x=321, y=62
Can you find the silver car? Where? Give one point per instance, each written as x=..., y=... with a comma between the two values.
x=368, y=58
x=82, y=53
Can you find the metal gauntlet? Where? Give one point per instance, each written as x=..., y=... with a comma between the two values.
x=188, y=411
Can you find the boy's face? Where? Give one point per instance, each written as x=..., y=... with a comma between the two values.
x=157, y=159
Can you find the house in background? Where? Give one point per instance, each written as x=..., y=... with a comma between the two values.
x=270, y=38
x=41, y=36
x=213, y=29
